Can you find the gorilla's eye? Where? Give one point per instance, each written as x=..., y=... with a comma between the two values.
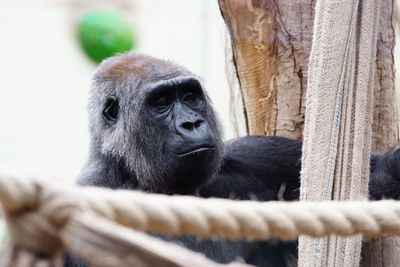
x=111, y=109
x=163, y=103
x=191, y=98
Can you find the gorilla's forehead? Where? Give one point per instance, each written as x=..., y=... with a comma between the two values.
x=138, y=67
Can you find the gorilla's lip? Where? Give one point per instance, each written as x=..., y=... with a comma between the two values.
x=195, y=150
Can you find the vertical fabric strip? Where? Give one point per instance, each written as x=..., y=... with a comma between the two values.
x=337, y=134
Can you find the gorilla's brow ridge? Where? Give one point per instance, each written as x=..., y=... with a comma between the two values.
x=174, y=83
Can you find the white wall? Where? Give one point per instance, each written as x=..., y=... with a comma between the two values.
x=45, y=76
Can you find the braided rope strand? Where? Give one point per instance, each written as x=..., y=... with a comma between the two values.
x=35, y=210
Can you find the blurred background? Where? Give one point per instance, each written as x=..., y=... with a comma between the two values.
x=46, y=73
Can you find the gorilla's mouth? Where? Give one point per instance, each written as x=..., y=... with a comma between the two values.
x=195, y=150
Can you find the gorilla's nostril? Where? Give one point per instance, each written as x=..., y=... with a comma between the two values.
x=187, y=125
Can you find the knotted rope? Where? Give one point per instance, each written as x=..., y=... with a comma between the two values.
x=37, y=212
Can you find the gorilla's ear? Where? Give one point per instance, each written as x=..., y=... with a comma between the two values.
x=111, y=109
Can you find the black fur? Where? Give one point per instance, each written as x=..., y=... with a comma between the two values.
x=153, y=129
x=257, y=167
x=384, y=180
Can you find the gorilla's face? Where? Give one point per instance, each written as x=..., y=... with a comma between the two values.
x=178, y=109
x=157, y=119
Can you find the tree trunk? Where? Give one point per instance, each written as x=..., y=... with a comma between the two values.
x=271, y=42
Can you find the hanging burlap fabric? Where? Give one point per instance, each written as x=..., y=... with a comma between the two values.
x=337, y=132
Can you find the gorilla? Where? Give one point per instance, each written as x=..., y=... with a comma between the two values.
x=153, y=128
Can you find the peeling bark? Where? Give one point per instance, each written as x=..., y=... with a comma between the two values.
x=250, y=26
x=236, y=105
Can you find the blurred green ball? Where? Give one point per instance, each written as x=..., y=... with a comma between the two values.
x=103, y=33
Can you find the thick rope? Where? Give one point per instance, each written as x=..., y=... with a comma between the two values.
x=37, y=212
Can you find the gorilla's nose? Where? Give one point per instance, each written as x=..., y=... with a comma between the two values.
x=191, y=125
x=194, y=130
